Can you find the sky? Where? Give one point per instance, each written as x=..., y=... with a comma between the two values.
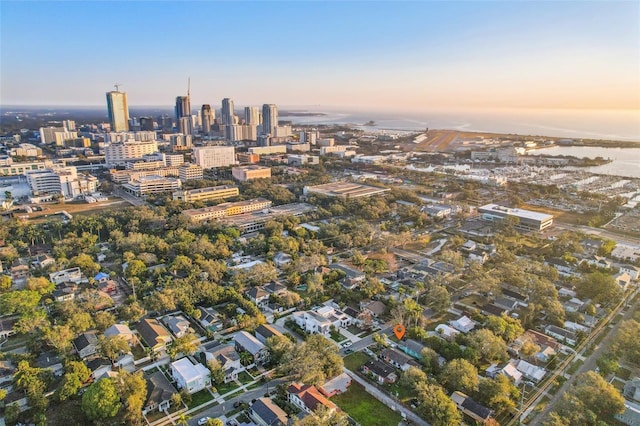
x=379, y=55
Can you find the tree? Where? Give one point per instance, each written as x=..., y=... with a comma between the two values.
x=429, y=359
x=101, y=400
x=112, y=347
x=504, y=326
x=187, y=345
x=312, y=361
x=323, y=416
x=413, y=377
x=5, y=283
x=438, y=298
x=76, y=374
x=278, y=347
x=41, y=285
x=490, y=347
x=104, y=320
x=498, y=394
x=459, y=374
x=214, y=422
x=86, y=264
x=217, y=373
x=600, y=287
x=436, y=407
x=19, y=301
x=132, y=389
x=183, y=420
x=607, y=364
x=627, y=344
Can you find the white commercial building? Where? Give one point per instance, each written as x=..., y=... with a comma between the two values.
x=61, y=180
x=145, y=185
x=209, y=157
x=189, y=171
x=116, y=154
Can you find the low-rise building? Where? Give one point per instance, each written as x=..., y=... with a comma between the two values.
x=189, y=171
x=153, y=184
x=189, y=376
x=247, y=342
x=228, y=358
x=380, y=371
x=245, y=173
x=178, y=325
x=86, y=344
x=471, y=408
x=397, y=359
x=153, y=334
x=227, y=209
x=308, y=398
x=264, y=412
x=159, y=393
x=206, y=194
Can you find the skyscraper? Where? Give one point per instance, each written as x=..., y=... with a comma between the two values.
x=269, y=118
x=207, y=118
x=227, y=111
x=183, y=109
x=118, y=111
x=252, y=115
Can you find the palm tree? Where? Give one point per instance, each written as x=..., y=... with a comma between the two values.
x=245, y=358
x=183, y=420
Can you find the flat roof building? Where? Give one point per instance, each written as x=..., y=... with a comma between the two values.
x=227, y=209
x=245, y=173
x=344, y=190
x=209, y=157
x=206, y=194
x=153, y=184
x=527, y=220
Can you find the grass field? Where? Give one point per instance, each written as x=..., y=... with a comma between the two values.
x=364, y=408
x=200, y=397
x=355, y=360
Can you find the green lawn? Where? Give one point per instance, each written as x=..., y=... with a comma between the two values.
x=225, y=388
x=364, y=408
x=337, y=336
x=355, y=360
x=244, y=378
x=200, y=398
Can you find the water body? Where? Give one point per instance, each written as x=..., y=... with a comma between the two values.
x=625, y=161
x=623, y=125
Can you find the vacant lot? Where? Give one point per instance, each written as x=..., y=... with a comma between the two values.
x=76, y=208
x=364, y=408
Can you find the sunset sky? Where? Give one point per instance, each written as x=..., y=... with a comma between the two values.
x=380, y=55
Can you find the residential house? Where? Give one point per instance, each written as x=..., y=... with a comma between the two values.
x=509, y=370
x=281, y=259
x=124, y=359
x=7, y=326
x=123, y=331
x=396, y=358
x=50, y=361
x=71, y=275
x=353, y=276
x=566, y=336
x=591, y=246
x=566, y=292
x=471, y=408
x=264, y=331
x=276, y=288
x=633, y=271
x=446, y=332
x=312, y=322
x=308, y=398
x=43, y=261
x=631, y=414
x=259, y=296
x=64, y=294
x=506, y=303
x=464, y=324
x=575, y=327
x=101, y=277
x=411, y=347
x=178, y=325
x=189, y=376
x=7, y=370
x=86, y=344
x=153, y=334
x=264, y=412
x=573, y=305
x=19, y=273
x=623, y=279
x=247, y=342
x=109, y=286
x=491, y=309
x=530, y=371
x=381, y=371
x=228, y=358
x=209, y=319
x=632, y=389
x=563, y=267
x=597, y=261
x=519, y=297
x=336, y=316
x=98, y=367
x=375, y=308
x=159, y=393
x=336, y=385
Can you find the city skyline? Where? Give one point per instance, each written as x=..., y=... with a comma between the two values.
x=395, y=56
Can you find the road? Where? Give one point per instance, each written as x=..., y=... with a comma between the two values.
x=386, y=399
x=589, y=365
x=225, y=407
x=119, y=192
x=600, y=232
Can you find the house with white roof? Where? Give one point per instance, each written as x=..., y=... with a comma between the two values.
x=530, y=371
x=446, y=332
x=623, y=279
x=312, y=322
x=189, y=376
x=507, y=369
x=463, y=324
x=123, y=331
x=633, y=271
x=178, y=324
x=71, y=275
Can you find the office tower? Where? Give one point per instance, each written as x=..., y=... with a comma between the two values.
x=183, y=109
x=69, y=124
x=208, y=116
x=227, y=111
x=165, y=122
x=269, y=118
x=185, y=125
x=252, y=115
x=118, y=111
x=146, y=124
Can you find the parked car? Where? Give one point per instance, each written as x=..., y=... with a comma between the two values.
x=203, y=421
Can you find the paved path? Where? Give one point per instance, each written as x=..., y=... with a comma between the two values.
x=386, y=399
x=589, y=364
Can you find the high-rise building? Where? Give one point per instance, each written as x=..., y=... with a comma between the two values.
x=118, y=111
x=227, y=111
x=269, y=118
x=208, y=116
x=146, y=124
x=252, y=115
x=183, y=109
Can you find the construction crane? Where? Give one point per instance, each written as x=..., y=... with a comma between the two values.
x=117, y=86
x=189, y=86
